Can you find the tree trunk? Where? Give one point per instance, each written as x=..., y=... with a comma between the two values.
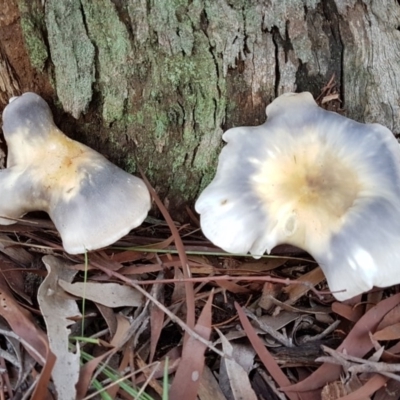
x=157, y=81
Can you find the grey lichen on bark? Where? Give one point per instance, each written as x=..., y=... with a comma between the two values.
x=72, y=54
x=226, y=31
x=179, y=97
x=113, y=48
x=32, y=24
x=371, y=67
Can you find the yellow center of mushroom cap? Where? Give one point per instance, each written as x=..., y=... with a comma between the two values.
x=57, y=163
x=307, y=190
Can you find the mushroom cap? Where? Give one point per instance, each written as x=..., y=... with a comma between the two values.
x=316, y=180
x=92, y=202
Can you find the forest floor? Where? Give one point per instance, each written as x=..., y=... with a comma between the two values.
x=164, y=314
x=223, y=327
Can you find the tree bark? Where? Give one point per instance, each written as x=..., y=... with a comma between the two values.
x=158, y=81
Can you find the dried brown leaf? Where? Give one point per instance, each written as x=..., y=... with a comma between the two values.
x=265, y=356
x=209, y=388
x=141, y=269
x=314, y=277
x=179, y=287
x=391, y=318
x=109, y=294
x=351, y=313
x=127, y=256
x=123, y=326
x=200, y=260
x=232, y=287
x=357, y=343
x=14, y=277
x=330, y=97
x=156, y=317
x=42, y=388
x=110, y=318
x=391, y=332
x=239, y=382
x=279, y=321
x=261, y=266
x=269, y=290
x=303, y=310
x=15, y=251
x=187, y=378
x=20, y=321
x=86, y=373
x=59, y=310
x=100, y=257
x=163, y=244
x=204, y=269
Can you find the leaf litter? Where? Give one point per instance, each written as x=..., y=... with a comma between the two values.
x=165, y=302
x=300, y=343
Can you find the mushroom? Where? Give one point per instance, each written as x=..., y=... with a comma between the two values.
x=316, y=180
x=92, y=202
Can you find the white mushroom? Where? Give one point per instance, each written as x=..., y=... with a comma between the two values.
x=92, y=202
x=314, y=179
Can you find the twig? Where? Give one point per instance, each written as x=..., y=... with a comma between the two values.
x=173, y=317
x=356, y=365
x=326, y=332
x=284, y=281
x=270, y=330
